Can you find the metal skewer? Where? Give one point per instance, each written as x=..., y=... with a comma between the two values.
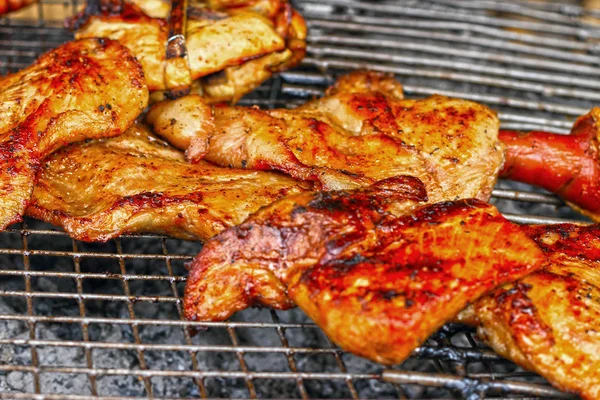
x=178, y=77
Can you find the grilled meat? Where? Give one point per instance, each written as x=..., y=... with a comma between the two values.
x=235, y=48
x=549, y=322
x=84, y=89
x=374, y=268
x=186, y=123
x=361, y=132
x=136, y=183
x=271, y=9
x=7, y=6
x=292, y=232
x=235, y=81
x=566, y=165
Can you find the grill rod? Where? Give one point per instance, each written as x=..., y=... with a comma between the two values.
x=469, y=387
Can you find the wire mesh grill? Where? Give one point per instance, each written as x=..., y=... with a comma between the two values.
x=89, y=321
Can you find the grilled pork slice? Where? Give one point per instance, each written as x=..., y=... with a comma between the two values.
x=84, y=89
x=568, y=165
x=549, y=322
x=235, y=47
x=374, y=268
x=135, y=183
x=7, y=6
x=361, y=132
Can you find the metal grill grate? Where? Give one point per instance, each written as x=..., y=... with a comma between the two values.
x=81, y=321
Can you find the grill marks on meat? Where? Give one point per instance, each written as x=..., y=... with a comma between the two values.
x=243, y=265
x=305, y=147
x=377, y=271
x=385, y=305
x=361, y=132
x=83, y=89
x=234, y=46
x=549, y=322
x=135, y=183
x=246, y=265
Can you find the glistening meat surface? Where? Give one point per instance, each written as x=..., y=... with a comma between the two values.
x=376, y=269
x=84, y=89
x=549, y=322
x=135, y=183
x=361, y=132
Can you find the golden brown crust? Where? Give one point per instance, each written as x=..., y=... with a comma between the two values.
x=361, y=132
x=145, y=37
x=136, y=184
x=297, y=230
x=153, y=8
x=235, y=81
x=160, y=8
x=377, y=271
x=306, y=147
x=187, y=123
x=386, y=302
x=549, y=321
x=84, y=89
x=366, y=81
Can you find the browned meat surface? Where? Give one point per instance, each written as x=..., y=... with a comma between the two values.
x=136, y=183
x=14, y=5
x=187, y=123
x=549, y=322
x=374, y=268
x=84, y=89
x=361, y=132
x=235, y=45
x=295, y=230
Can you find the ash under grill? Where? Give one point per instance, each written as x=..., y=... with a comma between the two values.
x=89, y=321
